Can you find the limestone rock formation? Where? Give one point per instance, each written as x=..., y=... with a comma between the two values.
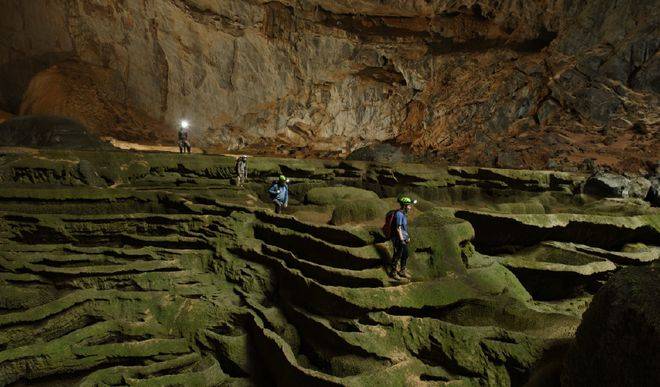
x=608, y=185
x=495, y=83
x=617, y=186
x=48, y=132
x=617, y=342
x=381, y=152
x=4, y=116
x=93, y=96
x=120, y=268
x=552, y=271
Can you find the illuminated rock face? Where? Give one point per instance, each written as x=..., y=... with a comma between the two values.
x=535, y=83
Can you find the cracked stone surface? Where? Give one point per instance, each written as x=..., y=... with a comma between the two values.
x=121, y=268
x=533, y=84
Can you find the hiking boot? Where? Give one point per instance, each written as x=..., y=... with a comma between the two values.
x=403, y=273
x=393, y=274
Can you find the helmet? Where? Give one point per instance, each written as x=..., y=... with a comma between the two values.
x=282, y=178
x=244, y=157
x=407, y=200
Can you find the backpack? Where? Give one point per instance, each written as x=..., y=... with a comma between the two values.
x=390, y=222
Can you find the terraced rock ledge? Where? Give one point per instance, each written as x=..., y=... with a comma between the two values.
x=122, y=268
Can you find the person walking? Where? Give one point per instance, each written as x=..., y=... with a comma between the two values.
x=400, y=237
x=184, y=142
x=279, y=193
x=241, y=170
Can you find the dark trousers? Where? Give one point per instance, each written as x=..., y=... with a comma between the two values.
x=184, y=147
x=278, y=206
x=240, y=179
x=400, y=254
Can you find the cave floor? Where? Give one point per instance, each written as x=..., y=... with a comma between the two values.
x=145, y=268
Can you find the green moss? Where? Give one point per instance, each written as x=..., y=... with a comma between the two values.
x=496, y=279
x=620, y=207
x=438, y=242
x=416, y=295
x=635, y=248
x=532, y=207
x=355, y=211
x=180, y=276
x=119, y=374
x=335, y=195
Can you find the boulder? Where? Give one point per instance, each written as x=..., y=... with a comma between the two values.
x=618, y=340
x=607, y=185
x=639, y=187
x=604, y=184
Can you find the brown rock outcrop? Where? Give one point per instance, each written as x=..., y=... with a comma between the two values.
x=93, y=95
x=513, y=84
x=4, y=116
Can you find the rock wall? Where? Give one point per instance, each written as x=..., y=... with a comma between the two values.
x=543, y=83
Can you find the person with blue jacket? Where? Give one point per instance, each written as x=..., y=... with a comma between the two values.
x=279, y=193
x=401, y=239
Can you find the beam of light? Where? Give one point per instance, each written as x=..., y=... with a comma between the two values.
x=184, y=124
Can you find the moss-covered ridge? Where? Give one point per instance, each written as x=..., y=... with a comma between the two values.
x=136, y=268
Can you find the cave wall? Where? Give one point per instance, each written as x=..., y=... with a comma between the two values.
x=489, y=82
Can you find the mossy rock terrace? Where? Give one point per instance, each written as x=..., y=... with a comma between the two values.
x=121, y=268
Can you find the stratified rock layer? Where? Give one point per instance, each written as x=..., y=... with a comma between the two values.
x=121, y=268
x=498, y=83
